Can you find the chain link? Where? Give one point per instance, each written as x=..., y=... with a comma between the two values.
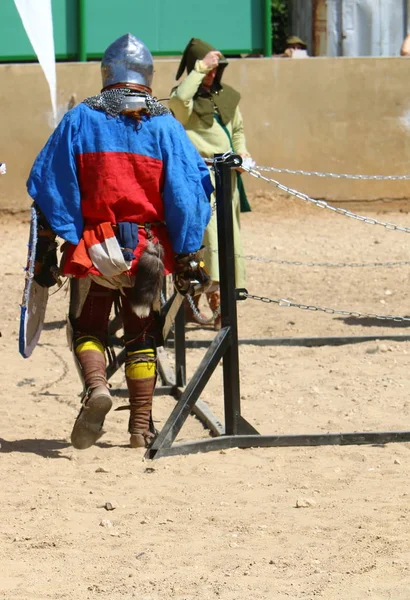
x=336, y=175
x=198, y=315
x=330, y=311
x=324, y=204
x=298, y=263
x=320, y=204
x=224, y=157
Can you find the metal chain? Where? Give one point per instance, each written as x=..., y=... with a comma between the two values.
x=298, y=263
x=198, y=314
x=330, y=311
x=323, y=204
x=223, y=158
x=336, y=175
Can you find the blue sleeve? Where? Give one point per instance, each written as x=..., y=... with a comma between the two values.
x=53, y=182
x=187, y=188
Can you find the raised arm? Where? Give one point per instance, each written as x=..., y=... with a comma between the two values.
x=181, y=102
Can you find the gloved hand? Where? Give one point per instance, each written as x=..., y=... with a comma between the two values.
x=190, y=270
x=46, y=262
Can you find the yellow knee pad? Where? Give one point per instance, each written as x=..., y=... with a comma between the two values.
x=141, y=364
x=88, y=342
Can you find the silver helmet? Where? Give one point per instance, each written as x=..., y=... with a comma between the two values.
x=127, y=60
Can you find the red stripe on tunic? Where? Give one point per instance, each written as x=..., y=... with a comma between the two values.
x=120, y=186
x=117, y=187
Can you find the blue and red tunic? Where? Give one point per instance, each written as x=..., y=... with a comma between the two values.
x=96, y=169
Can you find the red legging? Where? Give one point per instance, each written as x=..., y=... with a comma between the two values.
x=139, y=333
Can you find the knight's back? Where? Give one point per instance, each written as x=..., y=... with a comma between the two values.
x=120, y=166
x=100, y=132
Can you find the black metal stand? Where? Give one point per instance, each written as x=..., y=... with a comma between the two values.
x=180, y=357
x=238, y=432
x=225, y=344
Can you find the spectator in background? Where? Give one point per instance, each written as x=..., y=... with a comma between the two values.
x=295, y=48
x=209, y=111
x=405, y=47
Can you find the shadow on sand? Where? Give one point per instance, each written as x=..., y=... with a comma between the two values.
x=44, y=448
x=54, y=325
x=372, y=322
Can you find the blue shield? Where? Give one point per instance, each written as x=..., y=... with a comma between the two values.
x=35, y=297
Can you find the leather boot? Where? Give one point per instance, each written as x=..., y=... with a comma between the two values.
x=190, y=316
x=96, y=402
x=214, y=301
x=140, y=425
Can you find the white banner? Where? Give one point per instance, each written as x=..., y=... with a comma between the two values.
x=37, y=19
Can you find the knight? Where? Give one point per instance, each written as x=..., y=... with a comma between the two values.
x=120, y=182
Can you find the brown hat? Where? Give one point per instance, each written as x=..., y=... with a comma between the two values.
x=223, y=96
x=295, y=40
x=196, y=50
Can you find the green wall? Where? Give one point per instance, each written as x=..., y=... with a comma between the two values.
x=14, y=43
x=84, y=28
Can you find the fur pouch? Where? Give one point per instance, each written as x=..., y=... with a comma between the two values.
x=148, y=279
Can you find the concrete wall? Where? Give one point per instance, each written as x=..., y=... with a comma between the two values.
x=348, y=115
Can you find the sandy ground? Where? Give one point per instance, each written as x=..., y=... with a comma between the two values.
x=273, y=523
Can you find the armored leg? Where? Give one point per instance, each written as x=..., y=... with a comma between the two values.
x=140, y=373
x=141, y=339
x=96, y=401
x=89, y=337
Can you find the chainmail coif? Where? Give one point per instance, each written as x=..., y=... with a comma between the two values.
x=112, y=102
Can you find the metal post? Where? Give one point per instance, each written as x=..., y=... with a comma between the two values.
x=81, y=31
x=234, y=423
x=223, y=192
x=267, y=41
x=180, y=355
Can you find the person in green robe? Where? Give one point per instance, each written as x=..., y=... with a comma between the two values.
x=209, y=111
